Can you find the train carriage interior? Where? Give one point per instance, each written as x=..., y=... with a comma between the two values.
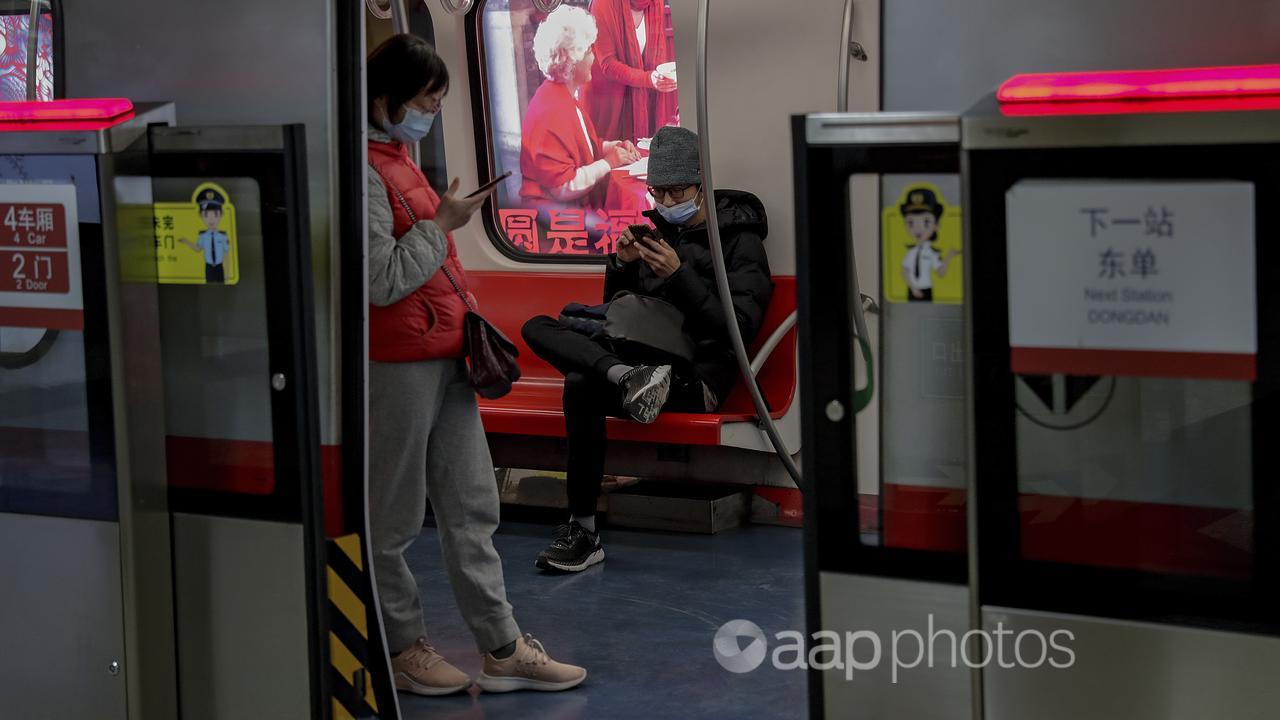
x=931, y=380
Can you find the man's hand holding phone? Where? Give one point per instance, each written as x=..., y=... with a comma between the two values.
x=628, y=247
x=641, y=242
x=661, y=258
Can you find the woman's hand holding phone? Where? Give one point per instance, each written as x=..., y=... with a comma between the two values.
x=484, y=189
x=455, y=212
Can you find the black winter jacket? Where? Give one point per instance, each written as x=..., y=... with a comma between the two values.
x=692, y=288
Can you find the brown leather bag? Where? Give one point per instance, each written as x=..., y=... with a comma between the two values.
x=491, y=356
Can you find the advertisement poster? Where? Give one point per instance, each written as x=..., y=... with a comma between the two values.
x=13, y=57
x=574, y=131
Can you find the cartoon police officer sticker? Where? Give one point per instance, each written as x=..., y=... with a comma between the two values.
x=922, y=237
x=214, y=244
x=212, y=257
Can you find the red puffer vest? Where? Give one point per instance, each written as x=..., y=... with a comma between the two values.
x=426, y=325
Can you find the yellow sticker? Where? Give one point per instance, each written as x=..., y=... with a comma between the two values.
x=195, y=242
x=923, y=238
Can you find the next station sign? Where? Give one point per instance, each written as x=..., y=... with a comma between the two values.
x=1138, y=278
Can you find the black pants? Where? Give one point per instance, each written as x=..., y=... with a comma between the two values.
x=589, y=398
x=214, y=273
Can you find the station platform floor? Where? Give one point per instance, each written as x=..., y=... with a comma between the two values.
x=642, y=623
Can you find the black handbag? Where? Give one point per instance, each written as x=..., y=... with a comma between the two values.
x=491, y=356
x=649, y=328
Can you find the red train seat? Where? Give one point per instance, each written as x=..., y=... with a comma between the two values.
x=534, y=407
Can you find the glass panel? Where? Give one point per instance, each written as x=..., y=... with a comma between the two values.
x=1136, y=473
x=921, y=369
x=44, y=411
x=431, y=154
x=56, y=447
x=13, y=57
x=568, y=194
x=214, y=335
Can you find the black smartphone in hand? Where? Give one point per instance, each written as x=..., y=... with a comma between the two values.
x=644, y=234
x=490, y=184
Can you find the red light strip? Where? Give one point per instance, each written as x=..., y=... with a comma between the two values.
x=1136, y=107
x=63, y=125
x=1143, y=85
x=65, y=111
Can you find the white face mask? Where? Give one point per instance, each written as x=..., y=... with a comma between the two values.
x=415, y=126
x=680, y=213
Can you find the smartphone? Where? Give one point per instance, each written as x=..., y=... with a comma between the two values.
x=490, y=184
x=644, y=234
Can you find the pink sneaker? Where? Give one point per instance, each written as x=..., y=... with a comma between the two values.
x=422, y=671
x=528, y=668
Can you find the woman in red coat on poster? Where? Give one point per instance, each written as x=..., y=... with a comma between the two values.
x=629, y=98
x=563, y=161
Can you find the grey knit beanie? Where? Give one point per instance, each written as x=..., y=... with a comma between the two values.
x=673, y=158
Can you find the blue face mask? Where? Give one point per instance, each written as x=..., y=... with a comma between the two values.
x=681, y=213
x=415, y=126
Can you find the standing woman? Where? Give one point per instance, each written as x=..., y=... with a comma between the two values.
x=628, y=98
x=425, y=436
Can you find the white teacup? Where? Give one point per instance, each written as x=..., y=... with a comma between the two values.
x=667, y=70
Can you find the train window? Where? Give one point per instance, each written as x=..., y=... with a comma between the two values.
x=920, y=500
x=14, y=22
x=431, y=149
x=1140, y=491
x=576, y=145
x=216, y=344
x=378, y=28
x=1136, y=473
x=44, y=426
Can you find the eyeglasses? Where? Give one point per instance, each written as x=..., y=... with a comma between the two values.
x=431, y=103
x=675, y=193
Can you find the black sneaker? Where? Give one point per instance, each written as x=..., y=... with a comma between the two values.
x=644, y=391
x=574, y=549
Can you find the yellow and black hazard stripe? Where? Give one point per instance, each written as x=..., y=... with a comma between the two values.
x=352, y=683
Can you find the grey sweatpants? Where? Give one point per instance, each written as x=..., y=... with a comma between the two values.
x=426, y=441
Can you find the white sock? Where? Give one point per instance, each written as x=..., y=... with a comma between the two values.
x=588, y=522
x=615, y=374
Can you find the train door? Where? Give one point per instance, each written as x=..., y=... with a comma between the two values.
x=231, y=464
x=886, y=558
x=159, y=430
x=83, y=524
x=241, y=419
x=1123, y=333
x=145, y=344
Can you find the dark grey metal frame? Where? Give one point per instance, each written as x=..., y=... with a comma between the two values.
x=828, y=150
x=275, y=157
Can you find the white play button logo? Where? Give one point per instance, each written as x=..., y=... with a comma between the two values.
x=736, y=656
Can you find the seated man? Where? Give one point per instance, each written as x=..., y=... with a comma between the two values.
x=675, y=266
